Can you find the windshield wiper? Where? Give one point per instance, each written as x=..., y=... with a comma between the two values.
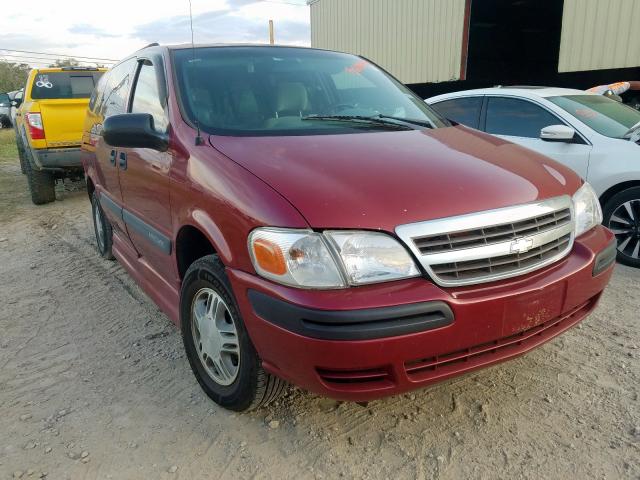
x=375, y=120
x=412, y=121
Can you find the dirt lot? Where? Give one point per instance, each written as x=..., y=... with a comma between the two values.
x=94, y=384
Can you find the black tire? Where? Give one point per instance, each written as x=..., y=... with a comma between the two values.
x=42, y=184
x=21, y=155
x=622, y=215
x=102, y=228
x=252, y=387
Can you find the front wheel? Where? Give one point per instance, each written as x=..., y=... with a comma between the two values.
x=622, y=215
x=21, y=155
x=220, y=352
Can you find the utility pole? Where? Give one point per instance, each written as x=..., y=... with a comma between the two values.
x=271, y=37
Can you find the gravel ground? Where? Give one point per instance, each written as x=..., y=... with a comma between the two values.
x=94, y=384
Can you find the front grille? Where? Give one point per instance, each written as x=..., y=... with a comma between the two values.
x=494, y=234
x=501, y=264
x=492, y=245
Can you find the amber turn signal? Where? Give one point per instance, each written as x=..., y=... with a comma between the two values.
x=269, y=256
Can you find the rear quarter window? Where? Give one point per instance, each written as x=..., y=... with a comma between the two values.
x=59, y=85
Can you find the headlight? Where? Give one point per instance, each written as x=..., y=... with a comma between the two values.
x=294, y=257
x=334, y=259
x=586, y=207
x=369, y=257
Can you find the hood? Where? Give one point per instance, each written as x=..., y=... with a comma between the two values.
x=381, y=179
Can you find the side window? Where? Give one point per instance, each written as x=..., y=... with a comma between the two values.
x=116, y=92
x=518, y=118
x=462, y=110
x=146, y=97
x=98, y=93
x=5, y=101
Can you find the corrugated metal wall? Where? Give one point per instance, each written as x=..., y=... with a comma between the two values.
x=599, y=34
x=416, y=40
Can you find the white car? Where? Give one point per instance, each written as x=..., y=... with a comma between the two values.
x=597, y=137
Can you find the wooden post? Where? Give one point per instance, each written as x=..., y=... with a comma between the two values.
x=271, y=37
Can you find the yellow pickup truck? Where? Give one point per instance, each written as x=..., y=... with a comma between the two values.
x=49, y=124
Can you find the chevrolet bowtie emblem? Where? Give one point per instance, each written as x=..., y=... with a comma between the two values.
x=521, y=245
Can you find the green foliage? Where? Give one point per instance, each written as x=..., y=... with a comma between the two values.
x=65, y=62
x=8, y=149
x=13, y=76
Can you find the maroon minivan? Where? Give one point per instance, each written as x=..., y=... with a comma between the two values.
x=305, y=218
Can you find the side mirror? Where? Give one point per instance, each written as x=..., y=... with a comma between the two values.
x=557, y=133
x=16, y=103
x=133, y=130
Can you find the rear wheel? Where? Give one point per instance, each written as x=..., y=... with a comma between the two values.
x=622, y=215
x=102, y=228
x=42, y=184
x=220, y=352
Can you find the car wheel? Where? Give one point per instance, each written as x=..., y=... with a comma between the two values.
x=42, y=185
x=622, y=216
x=220, y=352
x=102, y=228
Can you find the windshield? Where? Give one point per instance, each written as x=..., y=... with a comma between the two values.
x=274, y=90
x=605, y=116
x=72, y=84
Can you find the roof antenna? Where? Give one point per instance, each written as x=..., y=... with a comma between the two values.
x=199, y=140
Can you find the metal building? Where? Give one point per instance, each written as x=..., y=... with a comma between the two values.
x=434, y=45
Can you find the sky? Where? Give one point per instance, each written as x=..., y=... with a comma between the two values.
x=112, y=29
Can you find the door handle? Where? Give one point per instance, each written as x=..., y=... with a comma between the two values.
x=112, y=158
x=123, y=160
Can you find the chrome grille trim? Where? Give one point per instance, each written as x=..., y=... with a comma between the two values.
x=449, y=247
x=493, y=234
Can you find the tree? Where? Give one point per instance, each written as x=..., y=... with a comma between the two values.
x=13, y=76
x=65, y=62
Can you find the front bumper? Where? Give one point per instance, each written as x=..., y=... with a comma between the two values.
x=490, y=323
x=57, y=158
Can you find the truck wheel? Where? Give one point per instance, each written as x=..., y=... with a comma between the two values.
x=41, y=184
x=20, y=148
x=622, y=215
x=23, y=168
x=102, y=229
x=220, y=352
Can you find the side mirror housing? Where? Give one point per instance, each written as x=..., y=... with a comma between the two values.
x=133, y=130
x=557, y=133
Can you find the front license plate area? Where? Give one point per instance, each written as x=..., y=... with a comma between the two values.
x=533, y=308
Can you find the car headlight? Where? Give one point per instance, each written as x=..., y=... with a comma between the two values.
x=370, y=257
x=334, y=259
x=586, y=207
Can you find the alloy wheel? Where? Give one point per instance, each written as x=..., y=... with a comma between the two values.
x=215, y=336
x=100, y=229
x=625, y=224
